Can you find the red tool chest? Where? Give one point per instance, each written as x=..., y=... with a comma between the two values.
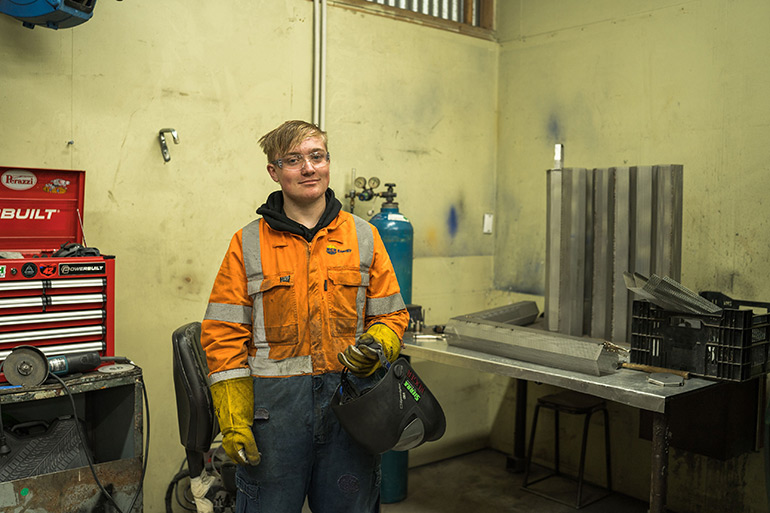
x=59, y=304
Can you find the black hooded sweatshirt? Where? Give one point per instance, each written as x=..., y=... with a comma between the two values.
x=272, y=211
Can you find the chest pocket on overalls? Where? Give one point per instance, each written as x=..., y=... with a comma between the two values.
x=279, y=303
x=347, y=297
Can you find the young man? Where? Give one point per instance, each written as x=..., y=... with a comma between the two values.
x=301, y=293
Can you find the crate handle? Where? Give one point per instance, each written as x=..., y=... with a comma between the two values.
x=685, y=322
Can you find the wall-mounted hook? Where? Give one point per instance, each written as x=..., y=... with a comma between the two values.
x=163, y=145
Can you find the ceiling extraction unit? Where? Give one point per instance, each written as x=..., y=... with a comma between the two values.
x=53, y=14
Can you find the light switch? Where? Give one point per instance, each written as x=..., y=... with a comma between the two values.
x=487, y=225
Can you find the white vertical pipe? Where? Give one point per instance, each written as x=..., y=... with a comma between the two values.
x=322, y=77
x=316, y=59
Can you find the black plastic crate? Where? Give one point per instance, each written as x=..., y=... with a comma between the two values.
x=730, y=346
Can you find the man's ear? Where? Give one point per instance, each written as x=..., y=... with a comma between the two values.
x=273, y=172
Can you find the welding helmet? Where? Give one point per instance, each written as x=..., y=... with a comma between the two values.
x=397, y=413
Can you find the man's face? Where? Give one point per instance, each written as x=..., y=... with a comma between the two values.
x=308, y=183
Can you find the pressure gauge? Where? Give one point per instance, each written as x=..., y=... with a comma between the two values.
x=374, y=182
x=360, y=182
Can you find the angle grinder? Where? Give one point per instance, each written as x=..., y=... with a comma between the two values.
x=28, y=366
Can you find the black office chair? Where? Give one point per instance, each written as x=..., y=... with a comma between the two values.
x=195, y=411
x=198, y=424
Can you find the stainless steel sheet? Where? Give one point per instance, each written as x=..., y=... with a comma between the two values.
x=625, y=386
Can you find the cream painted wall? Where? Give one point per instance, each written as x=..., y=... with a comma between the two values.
x=412, y=105
x=677, y=82
x=635, y=83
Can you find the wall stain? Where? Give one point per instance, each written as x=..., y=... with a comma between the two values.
x=554, y=128
x=452, y=221
x=416, y=152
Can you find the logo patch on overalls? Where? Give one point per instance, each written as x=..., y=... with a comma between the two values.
x=333, y=250
x=285, y=279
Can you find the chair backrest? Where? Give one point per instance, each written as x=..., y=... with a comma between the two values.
x=195, y=412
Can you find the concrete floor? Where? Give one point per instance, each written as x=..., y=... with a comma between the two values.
x=479, y=483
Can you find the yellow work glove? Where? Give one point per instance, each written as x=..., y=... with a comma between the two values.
x=234, y=406
x=363, y=358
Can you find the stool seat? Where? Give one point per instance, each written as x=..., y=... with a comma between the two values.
x=573, y=403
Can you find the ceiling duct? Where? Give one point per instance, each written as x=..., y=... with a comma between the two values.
x=53, y=14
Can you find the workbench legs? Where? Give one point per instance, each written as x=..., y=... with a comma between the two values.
x=519, y=459
x=660, y=449
x=659, y=467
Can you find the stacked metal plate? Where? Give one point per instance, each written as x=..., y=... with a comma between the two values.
x=602, y=223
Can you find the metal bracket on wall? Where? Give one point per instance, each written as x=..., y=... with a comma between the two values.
x=163, y=145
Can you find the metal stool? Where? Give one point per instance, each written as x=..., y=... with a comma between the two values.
x=577, y=404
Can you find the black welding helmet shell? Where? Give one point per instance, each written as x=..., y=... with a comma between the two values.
x=397, y=413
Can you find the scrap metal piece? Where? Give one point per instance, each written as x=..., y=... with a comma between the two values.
x=665, y=379
x=520, y=314
x=681, y=295
x=579, y=354
x=669, y=294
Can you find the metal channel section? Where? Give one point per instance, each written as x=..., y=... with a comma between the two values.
x=574, y=242
x=553, y=248
x=668, y=221
x=588, y=252
x=642, y=209
x=566, y=250
x=621, y=255
x=603, y=227
x=577, y=354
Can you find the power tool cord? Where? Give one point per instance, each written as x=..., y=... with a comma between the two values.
x=88, y=453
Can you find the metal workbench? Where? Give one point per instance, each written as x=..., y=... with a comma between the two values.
x=625, y=386
x=110, y=406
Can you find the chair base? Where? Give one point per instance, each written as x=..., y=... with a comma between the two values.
x=562, y=488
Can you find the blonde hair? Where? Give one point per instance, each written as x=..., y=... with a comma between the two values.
x=279, y=141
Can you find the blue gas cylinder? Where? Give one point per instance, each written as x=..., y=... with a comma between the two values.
x=398, y=236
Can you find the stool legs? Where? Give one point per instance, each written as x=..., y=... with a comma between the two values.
x=528, y=462
x=582, y=466
x=607, y=447
x=556, y=441
x=583, y=450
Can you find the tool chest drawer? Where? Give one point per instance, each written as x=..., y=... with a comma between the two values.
x=59, y=316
